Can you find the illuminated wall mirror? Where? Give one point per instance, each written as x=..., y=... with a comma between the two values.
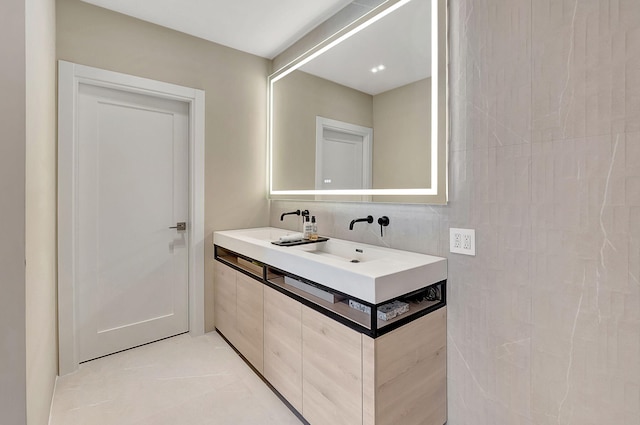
x=362, y=115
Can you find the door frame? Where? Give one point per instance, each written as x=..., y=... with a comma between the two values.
x=70, y=76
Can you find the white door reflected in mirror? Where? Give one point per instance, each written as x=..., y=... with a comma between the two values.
x=343, y=155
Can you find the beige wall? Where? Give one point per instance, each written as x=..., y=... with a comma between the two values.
x=41, y=336
x=401, y=149
x=12, y=213
x=300, y=97
x=544, y=322
x=235, y=86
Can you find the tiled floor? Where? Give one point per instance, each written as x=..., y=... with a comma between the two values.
x=180, y=380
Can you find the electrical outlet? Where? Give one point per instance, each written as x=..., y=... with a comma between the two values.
x=467, y=242
x=462, y=241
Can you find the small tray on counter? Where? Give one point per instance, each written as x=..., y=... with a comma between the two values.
x=300, y=242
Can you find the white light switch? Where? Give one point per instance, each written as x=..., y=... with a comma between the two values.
x=462, y=241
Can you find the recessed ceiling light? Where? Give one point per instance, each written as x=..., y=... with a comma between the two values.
x=377, y=68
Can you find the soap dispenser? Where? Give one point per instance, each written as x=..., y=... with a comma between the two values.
x=307, y=228
x=314, y=229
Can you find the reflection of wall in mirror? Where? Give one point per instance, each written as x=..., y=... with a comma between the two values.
x=400, y=117
x=401, y=138
x=297, y=100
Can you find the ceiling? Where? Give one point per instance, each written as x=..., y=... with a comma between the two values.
x=401, y=41
x=263, y=28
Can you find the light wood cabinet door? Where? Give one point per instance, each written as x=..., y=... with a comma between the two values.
x=331, y=371
x=411, y=373
x=283, y=345
x=249, y=319
x=224, y=283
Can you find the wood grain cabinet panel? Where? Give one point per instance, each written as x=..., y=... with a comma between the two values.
x=249, y=319
x=411, y=373
x=331, y=371
x=283, y=345
x=368, y=380
x=224, y=279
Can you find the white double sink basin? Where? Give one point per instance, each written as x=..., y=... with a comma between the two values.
x=371, y=273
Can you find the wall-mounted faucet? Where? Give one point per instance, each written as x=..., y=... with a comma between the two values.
x=296, y=212
x=368, y=219
x=303, y=213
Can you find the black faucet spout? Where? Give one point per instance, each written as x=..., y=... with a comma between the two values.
x=368, y=219
x=296, y=212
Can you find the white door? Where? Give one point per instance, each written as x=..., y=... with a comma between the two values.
x=341, y=161
x=343, y=155
x=132, y=178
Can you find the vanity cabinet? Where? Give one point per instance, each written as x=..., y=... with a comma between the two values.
x=283, y=345
x=334, y=364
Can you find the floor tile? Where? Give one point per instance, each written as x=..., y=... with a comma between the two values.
x=181, y=380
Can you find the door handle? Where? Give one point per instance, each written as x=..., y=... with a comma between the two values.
x=181, y=225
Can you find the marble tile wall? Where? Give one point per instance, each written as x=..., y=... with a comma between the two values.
x=544, y=323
